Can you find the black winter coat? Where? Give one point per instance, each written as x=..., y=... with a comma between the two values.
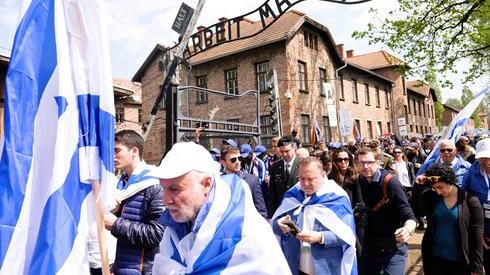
x=138, y=232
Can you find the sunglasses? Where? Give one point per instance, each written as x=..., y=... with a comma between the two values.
x=342, y=159
x=447, y=150
x=431, y=179
x=233, y=160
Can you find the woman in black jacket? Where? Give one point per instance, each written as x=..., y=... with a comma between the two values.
x=452, y=243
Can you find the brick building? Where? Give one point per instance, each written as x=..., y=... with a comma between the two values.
x=419, y=111
x=127, y=100
x=304, y=55
x=411, y=99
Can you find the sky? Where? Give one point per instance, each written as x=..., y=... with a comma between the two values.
x=136, y=26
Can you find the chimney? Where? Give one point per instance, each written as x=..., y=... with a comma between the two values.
x=350, y=53
x=221, y=19
x=340, y=49
x=201, y=35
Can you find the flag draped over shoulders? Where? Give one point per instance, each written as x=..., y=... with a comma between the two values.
x=140, y=179
x=229, y=237
x=331, y=207
x=59, y=136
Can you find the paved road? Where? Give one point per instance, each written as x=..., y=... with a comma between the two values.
x=414, y=261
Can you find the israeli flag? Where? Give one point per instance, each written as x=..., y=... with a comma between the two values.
x=229, y=236
x=456, y=128
x=331, y=207
x=59, y=136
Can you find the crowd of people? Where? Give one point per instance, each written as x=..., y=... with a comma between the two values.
x=331, y=209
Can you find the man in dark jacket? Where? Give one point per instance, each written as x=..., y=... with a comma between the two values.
x=134, y=222
x=231, y=159
x=282, y=173
x=389, y=224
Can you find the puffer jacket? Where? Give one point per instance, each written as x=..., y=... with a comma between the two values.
x=138, y=233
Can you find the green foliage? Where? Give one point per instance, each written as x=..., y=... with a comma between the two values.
x=466, y=96
x=455, y=103
x=437, y=34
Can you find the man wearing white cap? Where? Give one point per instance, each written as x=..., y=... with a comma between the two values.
x=477, y=181
x=211, y=223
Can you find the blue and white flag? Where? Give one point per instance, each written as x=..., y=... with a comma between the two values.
x=228, y=237
x=140, y=179
x=331, y=207
x=456, y=128
x=59, y=136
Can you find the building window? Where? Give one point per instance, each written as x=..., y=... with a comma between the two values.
x=387, y=100
x=411, y=128
x=370, y=129
x=379, y=128
x=378, y=100
x=302, y=76
x=140, y=115
x=355, y=94
x=261, y=75
x=233, y=127
x=420, y=107
x=403, y=86
x=416, y=129
x=305, y=128
x=231, y=81
x=202, y=82
x=326, y=129
x=341, y=88
x=409, y=107
x=119, y=115
x=266, y=130
x=388, y=127
x=366, y=94
x=311, y=40
x=414, y=107
x=323, y=79
x=424, y=107
x=358, y=127
x=406, y=113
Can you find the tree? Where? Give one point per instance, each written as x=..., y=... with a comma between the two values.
x=455, y=103
x=466, y=97
x=437, y=34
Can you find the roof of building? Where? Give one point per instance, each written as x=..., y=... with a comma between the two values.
x=376, y=60
x=125, y=87
x=281, y=30
x=159, y=48
x=450, y=108
x=422, y=88
x=353, y=65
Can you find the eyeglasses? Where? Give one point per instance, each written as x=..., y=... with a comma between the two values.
x=424, y=179
x=447, y=150
x=342, y=159
x=233, y=160
x=369, y=163
x=397, y=152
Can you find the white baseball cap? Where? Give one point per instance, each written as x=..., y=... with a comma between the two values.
x=185, y=157
x=483, y=148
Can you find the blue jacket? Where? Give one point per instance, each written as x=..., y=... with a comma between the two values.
x=138, y=233
x=474, y=182
x=327, y=257
x=460, y=168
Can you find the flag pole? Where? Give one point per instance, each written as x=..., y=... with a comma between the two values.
x=99, y=217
